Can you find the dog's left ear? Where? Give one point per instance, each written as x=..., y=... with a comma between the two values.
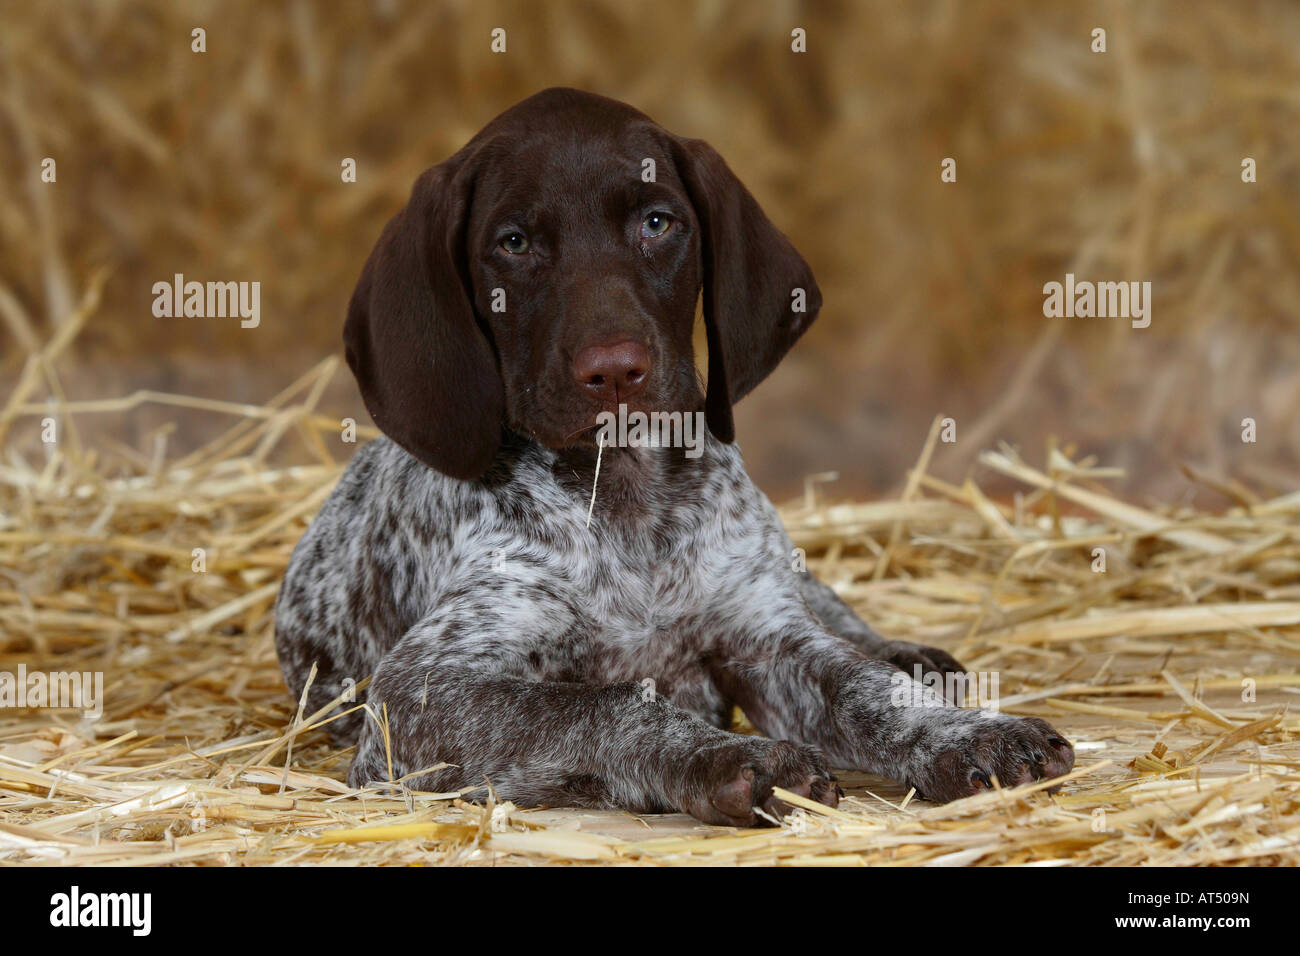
x=759, y=294
x=427, y=372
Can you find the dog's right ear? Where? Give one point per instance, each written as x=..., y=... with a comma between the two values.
x=751, y=274
x=427, y=373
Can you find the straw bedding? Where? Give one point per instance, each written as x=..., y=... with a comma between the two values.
x=1172, y=670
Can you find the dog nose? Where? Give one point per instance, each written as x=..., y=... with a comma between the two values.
x=613, y=372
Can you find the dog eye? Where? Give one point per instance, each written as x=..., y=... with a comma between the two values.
x=516, y=244
x=655, y=225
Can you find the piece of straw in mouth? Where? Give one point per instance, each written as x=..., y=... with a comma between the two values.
x=600, y=451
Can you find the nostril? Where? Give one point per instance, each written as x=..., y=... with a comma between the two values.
x=613, y=371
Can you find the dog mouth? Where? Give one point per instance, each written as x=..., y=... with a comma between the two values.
x=584, y=436
x=651, y=418
x=633, y=427
x=581, y=434
x=600, y=424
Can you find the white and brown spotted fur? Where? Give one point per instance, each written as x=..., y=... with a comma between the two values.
x=511, y=643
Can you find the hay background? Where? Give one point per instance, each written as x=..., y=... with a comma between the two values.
x=1123, y=166
x=1117, y=166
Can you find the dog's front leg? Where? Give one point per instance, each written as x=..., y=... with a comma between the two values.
x=796, y=680
x=842, y=620
x=445, y=696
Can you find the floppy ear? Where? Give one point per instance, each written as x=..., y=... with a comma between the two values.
x=427, y=372
x=754, y=283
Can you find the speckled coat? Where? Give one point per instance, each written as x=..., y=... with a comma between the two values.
x=596, y=666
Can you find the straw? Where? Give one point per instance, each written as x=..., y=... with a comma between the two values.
x=1172, y=671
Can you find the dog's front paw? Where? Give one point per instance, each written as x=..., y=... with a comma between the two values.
x=961, y=760
x=726, y=783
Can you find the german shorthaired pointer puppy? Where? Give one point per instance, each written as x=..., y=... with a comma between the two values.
x=545, y=274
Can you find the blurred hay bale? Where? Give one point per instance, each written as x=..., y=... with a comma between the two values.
x=1123, y=165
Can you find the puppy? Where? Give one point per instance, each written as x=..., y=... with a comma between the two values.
x=543, y=609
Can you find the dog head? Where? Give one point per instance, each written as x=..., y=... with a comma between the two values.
x=549, y=271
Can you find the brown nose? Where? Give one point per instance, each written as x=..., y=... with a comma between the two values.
x=613, y=372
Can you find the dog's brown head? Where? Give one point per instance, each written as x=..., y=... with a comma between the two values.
x=549, y=271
